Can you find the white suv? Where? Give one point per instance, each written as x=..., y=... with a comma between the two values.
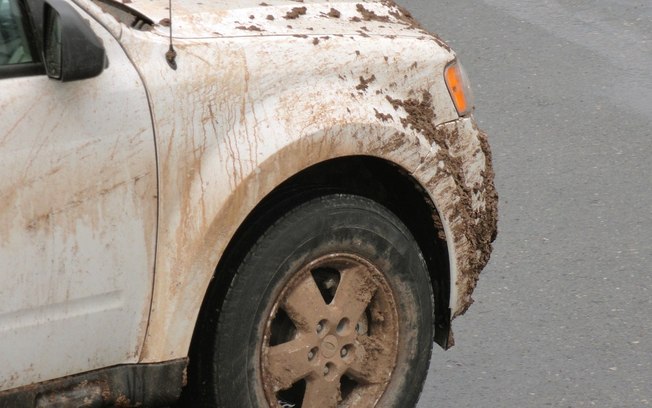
x=245, y=203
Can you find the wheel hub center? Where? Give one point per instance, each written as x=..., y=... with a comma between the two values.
x=329, y=346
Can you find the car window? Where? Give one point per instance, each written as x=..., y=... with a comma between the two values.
x=14, y=44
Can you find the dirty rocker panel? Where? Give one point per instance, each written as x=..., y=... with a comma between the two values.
x=124, y=385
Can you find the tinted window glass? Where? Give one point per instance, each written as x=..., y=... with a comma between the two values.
x=14, y=45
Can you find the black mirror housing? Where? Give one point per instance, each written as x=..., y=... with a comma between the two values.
x=71, y=50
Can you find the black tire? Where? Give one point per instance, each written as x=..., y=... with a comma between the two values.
x=334, y=224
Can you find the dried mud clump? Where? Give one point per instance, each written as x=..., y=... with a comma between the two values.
x=295, y=13
x=368, y=15
x=403, y=15
x=334, y=13
x=364, y=83
x=439, y=226
x=478, y=226
x=394, y=102
x=383, y=116
x=490, y=226
x=420, y=115
x=250, y=28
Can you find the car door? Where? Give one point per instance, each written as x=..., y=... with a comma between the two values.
x=78, y=207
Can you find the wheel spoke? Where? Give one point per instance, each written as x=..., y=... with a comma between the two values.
x=354, y=292
x=287, y=363
x=373, y=363
x=305, y=304
x=322, y=393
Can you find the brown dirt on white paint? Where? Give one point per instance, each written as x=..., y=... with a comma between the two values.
x=295, y=13
x=369, y=15
x=479, y=227
x=250, y=28
x=364, y=82
x=383, y=116
x=404, y=16
x=334, y=13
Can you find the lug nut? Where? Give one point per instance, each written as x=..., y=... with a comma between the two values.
x=326, y=370
x=344, y=352
x=313, y=353
x=322, y=326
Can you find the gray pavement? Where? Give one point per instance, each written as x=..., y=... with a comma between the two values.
x=563, y=313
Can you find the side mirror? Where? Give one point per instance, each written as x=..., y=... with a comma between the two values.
x=71, y=49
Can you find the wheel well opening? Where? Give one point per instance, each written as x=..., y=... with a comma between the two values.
x=370, y=177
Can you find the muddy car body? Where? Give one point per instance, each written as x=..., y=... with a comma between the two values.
x=132, y=197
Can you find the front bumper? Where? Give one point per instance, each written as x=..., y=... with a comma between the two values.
x=460, y=180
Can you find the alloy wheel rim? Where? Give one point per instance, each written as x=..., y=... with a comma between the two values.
x=331, y=337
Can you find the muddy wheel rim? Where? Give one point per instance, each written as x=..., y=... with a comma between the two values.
x=331, y=338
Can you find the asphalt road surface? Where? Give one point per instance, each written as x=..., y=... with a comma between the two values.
x=563, y=313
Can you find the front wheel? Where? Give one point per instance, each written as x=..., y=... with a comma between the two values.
x=332, y=307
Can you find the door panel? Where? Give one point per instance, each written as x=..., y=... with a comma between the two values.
x=77, y=221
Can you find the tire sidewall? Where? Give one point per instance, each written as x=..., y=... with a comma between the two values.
x=332, y=224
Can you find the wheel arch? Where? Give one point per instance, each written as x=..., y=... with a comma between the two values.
x=375, y=178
